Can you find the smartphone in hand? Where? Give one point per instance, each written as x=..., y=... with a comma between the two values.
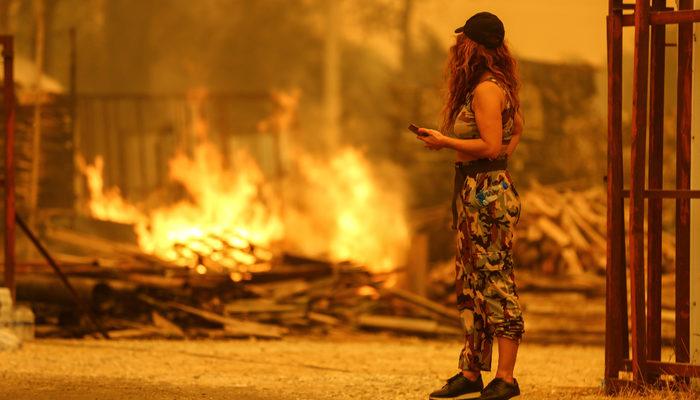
x=413, y=128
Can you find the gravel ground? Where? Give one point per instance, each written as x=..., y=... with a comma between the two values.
x=561, y=358
x=342, y=366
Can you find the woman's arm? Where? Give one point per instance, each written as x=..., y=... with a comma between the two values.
x=487, y=105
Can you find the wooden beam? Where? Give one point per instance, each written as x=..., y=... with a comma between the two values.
x=637, y=174
x=616, y=342
x=695, y=215
x=36, y=163
x=687, y=16
x=667, y=194
x=669, y=368
x=9, y=178
x=628, y=20
x=677, y=369
x=656, y=153
x=423, y=302
x=417, y=265
x=683, y=140
x=233, y=326
x=666, y=17
x=401, y=324
x=77, y=145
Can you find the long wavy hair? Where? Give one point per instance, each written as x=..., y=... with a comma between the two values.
x=467, y=63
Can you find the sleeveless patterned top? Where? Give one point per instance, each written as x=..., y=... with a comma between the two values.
x=465, y=125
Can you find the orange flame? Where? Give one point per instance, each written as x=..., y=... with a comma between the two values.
x=225, y=213
x=107, y=204
x=349, y=212
x=227, y=209
x=339, y=209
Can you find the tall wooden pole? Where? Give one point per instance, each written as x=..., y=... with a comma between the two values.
x=331, y=75
x=73, y=93
x=656, y=153
x=8, y=96
x=616, y=342
x=39, y=43
x=637, y=175
x=695, y=215
x=683, y=139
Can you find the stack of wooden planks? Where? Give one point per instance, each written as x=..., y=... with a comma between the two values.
x=562, y=231
x=138, y=296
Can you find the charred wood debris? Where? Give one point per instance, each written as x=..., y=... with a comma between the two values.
x=135, y=295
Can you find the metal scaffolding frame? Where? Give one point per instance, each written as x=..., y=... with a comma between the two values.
x=643, y=357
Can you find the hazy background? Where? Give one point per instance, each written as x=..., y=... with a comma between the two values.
x=327, y=79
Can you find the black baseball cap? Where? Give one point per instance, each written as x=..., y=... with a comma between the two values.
x=484, y=28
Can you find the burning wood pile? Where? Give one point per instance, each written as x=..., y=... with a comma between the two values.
x=237, y=289
x=210, y=264
x=203, y=256
x=137, y=296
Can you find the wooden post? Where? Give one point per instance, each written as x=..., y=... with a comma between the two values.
x=418, y=264
x=75, y=131
x=332, y=95
x=637, y=174
x=685, y=91
x=656, y=154
x=695, y=216
x=616, y=342
x=9, y=181
x=35, y=174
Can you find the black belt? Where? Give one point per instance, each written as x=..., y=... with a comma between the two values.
x=463, y=169
x=481, y=165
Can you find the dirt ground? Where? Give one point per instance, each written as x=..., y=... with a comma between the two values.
x=362, y=367
x=561, y=358
x=335, y=367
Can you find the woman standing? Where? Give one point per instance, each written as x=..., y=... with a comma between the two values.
x=482, y=124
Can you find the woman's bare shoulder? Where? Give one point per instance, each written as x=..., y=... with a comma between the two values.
x=488, y=92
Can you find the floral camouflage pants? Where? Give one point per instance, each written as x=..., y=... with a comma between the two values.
x=486, y=293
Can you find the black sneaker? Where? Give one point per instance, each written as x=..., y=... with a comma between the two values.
x=459, y=388
x=498, y=389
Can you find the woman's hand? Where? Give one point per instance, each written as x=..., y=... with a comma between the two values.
x=434, y=140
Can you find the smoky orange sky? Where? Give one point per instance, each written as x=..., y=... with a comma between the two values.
x=535, y=28
x=544, y=30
